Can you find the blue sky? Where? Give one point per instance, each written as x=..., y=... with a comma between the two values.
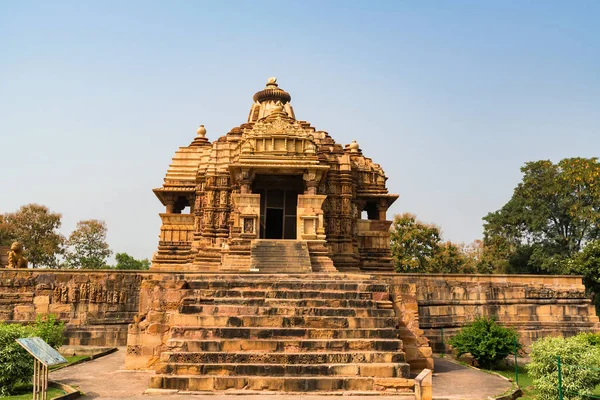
x=450, y=97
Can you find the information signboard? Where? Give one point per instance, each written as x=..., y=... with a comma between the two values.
x=42, y=351
x=43, y=357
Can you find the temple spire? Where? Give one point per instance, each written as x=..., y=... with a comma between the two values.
x=270, y=97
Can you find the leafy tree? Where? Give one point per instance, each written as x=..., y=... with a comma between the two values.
x=453, y=259
x=413, y=243
x=125, y=261
x=552, y=214
x=418, y=247
x=576, y=353
x=6, y=232
x=36, y=227
x=587, y=263
x=87, y=247
x=485, y=340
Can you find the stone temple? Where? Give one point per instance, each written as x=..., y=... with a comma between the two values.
x=273, y=274
x=273, y=186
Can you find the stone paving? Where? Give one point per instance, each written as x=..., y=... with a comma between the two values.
x=454, y=381
x=106, y=378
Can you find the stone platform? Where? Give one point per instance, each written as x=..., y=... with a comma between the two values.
x=280, y=256
x=98, y=306
x=276, y=332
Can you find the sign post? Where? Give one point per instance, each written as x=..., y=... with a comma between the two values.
x=43, y=357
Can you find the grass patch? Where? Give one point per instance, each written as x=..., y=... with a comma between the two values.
x=70, y=360
x=525, y=381
x=25, y=392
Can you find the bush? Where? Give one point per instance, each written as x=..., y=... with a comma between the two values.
x=50, y=329
x=16, y=364
x=576, y=353
x=485, y=340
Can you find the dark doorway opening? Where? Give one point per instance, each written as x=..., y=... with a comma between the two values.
x=278, y=204
x=274, y=223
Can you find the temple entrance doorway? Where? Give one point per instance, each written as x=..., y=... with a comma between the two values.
x=278, y=204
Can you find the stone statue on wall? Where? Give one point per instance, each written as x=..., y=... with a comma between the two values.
x=15, y=256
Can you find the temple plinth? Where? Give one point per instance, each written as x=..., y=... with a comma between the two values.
x=273, y=178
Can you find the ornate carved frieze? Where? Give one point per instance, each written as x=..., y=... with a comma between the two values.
x=87, y=293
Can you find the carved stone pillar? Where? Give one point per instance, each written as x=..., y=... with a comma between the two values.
x=310, y=223
x=245, y=181
x=311, y=182
x=170, y=207
x=381, y=212
x=246, y=212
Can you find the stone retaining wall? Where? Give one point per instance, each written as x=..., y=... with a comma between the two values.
x=97, y=306
x=535, y=305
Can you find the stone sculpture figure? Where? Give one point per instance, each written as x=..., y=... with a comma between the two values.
x=15, y=256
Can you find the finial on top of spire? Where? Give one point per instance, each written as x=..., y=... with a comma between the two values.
x=201, y=131
x=272, y=92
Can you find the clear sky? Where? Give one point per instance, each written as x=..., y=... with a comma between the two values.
x=450, y=97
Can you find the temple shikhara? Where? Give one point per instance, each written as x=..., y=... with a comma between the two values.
x=273, y=186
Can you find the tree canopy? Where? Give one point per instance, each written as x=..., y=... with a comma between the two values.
x=87, y=247
x=553, y=213
x=125, y=261
x=418, y=247
x=413, y=243
x=36, y=227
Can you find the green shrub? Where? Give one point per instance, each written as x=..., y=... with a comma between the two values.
x=485, y=340
x=50, y=329
x=576, y=353
x=16, y=364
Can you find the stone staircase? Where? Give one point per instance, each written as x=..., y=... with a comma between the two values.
x=319, y=333
x=280, y=256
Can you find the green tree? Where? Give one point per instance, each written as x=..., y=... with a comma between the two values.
x=418, y=247
x=553, y=213
x=6, y=232
x=451, y=258
x=87, y=247
x=125, y=261
x=36, y=227
x=413, y=243
x=486, y=341
x=587, y=263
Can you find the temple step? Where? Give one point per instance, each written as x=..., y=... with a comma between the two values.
x=283, y=294
x=287, y=345
x=279, y=321
x=227, y=309
x=281, y=358
x=390, y=370
x=394, y=386
x=274, y=283
x=205, y=332
x=261, y=302
x=273, y=256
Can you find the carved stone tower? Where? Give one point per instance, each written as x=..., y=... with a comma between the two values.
x=273, y=187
